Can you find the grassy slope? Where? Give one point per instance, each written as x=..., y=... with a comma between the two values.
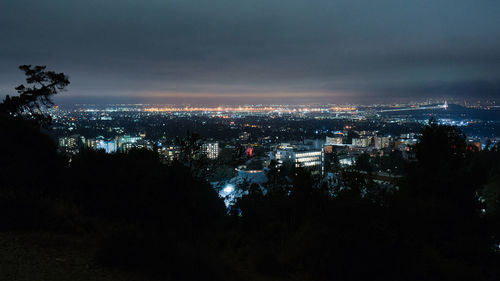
x=42, y=256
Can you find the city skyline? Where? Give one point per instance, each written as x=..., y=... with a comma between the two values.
x=222, y=140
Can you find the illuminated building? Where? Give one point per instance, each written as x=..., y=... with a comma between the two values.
x=361, y=142
x=129, y=140
x=169, y=152
x=405, y=144
x=285, y=146
x=100, y=143
x=382, y=142
x=91, y=143
x=143, y=144
x=346, y=160
x=70, y=144
x=139, y=144
x=308, y=158
x=284, y=155
x=333, y=140
x=125, y=147
x=210, y=150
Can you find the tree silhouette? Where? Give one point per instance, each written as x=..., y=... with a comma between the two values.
x=190, y=148
x=440, y=147
x=363, y=163
x=36, y=95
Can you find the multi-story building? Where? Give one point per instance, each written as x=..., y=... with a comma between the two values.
x=91, y=143
x=108, y=145
x=139, y=144
x=333, y=140
x=128, y=140
x=405, y=144
x=307, y=158
x=71, y=144
x=361, y=142
x=100, y=143
x=382, y=142
x=311, y=158
x=210, y=150
x=169, y=152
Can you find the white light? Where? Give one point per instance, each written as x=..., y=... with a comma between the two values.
x=229, y=188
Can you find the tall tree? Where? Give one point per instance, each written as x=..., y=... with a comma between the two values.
x=440, y=147
x=36, y=96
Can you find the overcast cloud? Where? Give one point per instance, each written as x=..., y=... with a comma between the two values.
x=256, y=50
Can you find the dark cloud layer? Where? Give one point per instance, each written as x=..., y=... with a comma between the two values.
x=259, y=50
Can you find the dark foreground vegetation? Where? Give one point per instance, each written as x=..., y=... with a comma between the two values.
x=129, y=217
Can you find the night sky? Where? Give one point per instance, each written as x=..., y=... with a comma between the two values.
x=256, y=51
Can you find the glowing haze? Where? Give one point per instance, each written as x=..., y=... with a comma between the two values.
x=258, y=51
